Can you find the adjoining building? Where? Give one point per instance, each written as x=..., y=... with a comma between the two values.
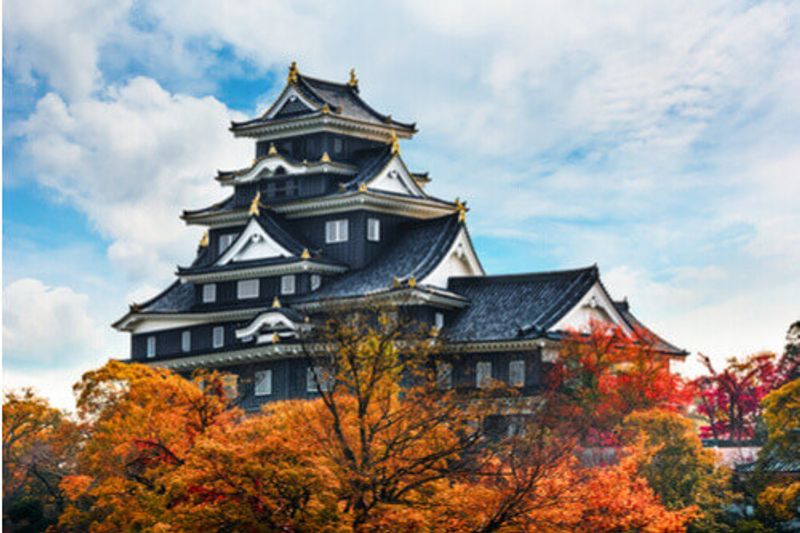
x=327, y=218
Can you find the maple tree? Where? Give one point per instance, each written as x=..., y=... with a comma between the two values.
x=730, y=399
x=39, y=443
x=604, y=374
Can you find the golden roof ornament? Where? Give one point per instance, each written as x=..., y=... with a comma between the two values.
x=276, y=338
x=412, y=282
x=276, y=303
x=326, y=109
x=204, y=240
x=461, y=207
x=342, y=187
x=395, y=143
x=272, y=150
x=396, y=282
x=254, y=205
x=293, y=72
x=325, y=157
x=306, y=254
x=353, y=81
x=362, y=187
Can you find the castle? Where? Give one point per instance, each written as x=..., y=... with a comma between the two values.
x=327, y=218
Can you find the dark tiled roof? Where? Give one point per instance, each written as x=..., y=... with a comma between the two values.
x=228, y=204
x=342, y=99
x=416, y=252
x=177, y=298
x=658, y=343
x=518, y=306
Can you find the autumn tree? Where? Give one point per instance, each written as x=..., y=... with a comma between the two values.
x=730, y=399
x=39, y=443
x=141, y=423
x=388, y=435
x=604, y=374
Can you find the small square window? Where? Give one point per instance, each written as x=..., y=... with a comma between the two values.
x=263, y=383
x=218, y=337
x=321, y=374
x=186, y=341
x=151, y=346
x=444, y=375
x=483, y=374
x=288, y=284
x=336, y=231
x=247, y=288
x=209, y=293
x=516, y=373
x=373, y=229
x=225, y=241
x=316, y=281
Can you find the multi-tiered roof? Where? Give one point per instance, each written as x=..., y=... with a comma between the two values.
x=328, y=216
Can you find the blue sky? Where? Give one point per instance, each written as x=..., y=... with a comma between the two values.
x=661, y=141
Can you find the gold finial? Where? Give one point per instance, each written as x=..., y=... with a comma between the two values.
x=134, y=307
x=272, y=150
x=395, y=143
x=325, y=157
x=276, y=303
x=362, y=187
x=412, y=282
x=276, y=338
x=254, y=205
x=342, y=187
x=353, y=82
x=461, y=207
x=204, y=240
x=326, y=109
x=293, y=72
x=305, y=254
x=396, y=282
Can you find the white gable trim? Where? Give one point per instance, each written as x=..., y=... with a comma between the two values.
x=271, y=319
x=395, y=178
x=253, y=243
x=460, y=260
x=596, y=305
x=289, y=92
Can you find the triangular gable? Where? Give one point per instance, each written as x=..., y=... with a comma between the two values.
x=253, y=243
x=395, y=178
x=460, y=260
x=595, y=305
x=269, y=322
x=290, y=101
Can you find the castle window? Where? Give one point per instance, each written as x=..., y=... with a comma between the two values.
x=225, y=241
x=316, y=281
x=336, y=231
x=516, y=373
x=483, y=374
x=288, y=284
x=209, y=293
x=321, y=375
x=373, y=229
x=218, y=337
x=247, y=288
x=186, y=341
x=282, y=188
x=337, y=145
x=438, y=320
x=263, y=381
x=444, y=375
x=151, y=346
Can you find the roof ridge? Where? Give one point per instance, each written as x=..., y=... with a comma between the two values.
x=523, y=275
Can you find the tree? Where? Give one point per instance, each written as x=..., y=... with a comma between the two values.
x=39, y=443
x=387, y=433
x=141, y=423
x=679, y=469
x=731, y=399
x=604, y=374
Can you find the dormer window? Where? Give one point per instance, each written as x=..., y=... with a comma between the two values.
x=336, y=231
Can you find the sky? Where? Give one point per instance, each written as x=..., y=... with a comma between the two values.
x=660, y=140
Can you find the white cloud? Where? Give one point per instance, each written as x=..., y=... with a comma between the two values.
x=59, y=41
x=47, y=326
x=130, y=160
